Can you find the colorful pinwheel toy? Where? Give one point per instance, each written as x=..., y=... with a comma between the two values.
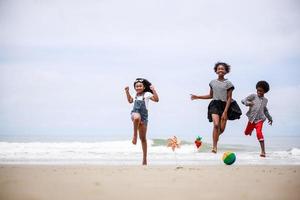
x=173, y=143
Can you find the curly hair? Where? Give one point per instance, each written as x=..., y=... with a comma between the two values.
x=226, y=66
x=264, y=85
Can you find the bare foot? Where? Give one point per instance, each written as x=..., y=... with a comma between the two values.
x=214, y=150
x=263, y=155
x=134, y=139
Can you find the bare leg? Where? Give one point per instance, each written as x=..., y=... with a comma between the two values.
x=262, y=146
x=216, y=124
x=222, y=126
x=142, y=133
x=136, y=119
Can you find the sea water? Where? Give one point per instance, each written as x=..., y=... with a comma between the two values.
x=280, y=151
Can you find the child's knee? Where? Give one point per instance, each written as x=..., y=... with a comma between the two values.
x=143, y=139
x=216, y=126
x=136, y=117
x=260, y=136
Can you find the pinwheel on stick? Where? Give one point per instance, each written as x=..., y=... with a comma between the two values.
x=173, y=143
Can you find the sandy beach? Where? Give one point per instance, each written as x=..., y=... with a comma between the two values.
x=89, y=182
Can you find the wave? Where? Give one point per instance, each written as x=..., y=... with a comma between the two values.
x=120, y=152
x=295, y=151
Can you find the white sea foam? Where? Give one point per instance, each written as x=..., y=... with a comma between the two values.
x=295, y=151
x=123, y=152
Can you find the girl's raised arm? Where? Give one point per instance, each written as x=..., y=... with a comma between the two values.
x=208, y=96
x=155, y=95
x=129, y=97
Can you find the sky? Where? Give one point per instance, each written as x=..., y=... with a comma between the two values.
x=64, y=64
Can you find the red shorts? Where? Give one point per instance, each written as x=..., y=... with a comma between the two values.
x=258, y=126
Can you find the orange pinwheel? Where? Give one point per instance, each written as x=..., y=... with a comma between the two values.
x=173, y=143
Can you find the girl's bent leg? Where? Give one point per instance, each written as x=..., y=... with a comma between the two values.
x=216, y=124
x=136, y=119
x=222, y=126
x=142, y=133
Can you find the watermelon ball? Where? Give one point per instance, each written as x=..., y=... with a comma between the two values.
x=229, y=158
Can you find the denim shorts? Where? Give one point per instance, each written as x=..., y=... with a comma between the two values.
x=140, y=107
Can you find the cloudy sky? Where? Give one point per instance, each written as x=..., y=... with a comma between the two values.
x=64, y=64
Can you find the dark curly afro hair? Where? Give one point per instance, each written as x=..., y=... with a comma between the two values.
x=264, y=85
x=227, y=67
x=145, y=82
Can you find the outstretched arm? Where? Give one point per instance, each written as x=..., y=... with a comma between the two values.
x=129, y=97
x=155, y=95
x=208, y=96
x=248, y=100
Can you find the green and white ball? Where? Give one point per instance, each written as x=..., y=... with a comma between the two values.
x=229, y=158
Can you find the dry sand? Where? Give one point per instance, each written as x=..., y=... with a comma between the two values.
x=92, y=182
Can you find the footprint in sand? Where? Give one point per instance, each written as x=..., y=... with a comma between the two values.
x=179, y=167
x=97, y=184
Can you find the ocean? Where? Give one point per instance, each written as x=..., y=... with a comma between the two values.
x=280, y=151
